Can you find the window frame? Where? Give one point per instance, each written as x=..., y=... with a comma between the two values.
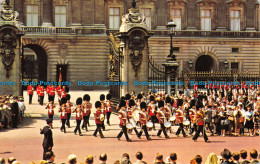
x=241, y=21
x=181, y=16
x=109, y=23
x=211, y=16
x=34, y=12
x=60, y=14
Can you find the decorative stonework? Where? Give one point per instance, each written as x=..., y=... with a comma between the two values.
x=7, y=14
x=63, y=50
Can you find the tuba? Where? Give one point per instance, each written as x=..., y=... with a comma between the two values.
x=102, y=117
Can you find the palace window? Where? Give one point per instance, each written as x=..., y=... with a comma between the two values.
x=205, y=20
x=234, y=66
x=235, y=20
x=60, y=16
x=147, y=13
x=114, y=18
x=176, y=17
x=32, y=15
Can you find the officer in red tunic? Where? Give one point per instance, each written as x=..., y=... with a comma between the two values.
x=192, y=114
x=50, y=107
x=30, y=90
x=52, y=92
x=103, y=109
x=130, y=115
x=86, y=111
x=48, y=92
x=98, y=119
x=68, y=109
x=78, y=116
x=38, y=92
x=123, y=118
x=179, y=117
x=109, y=105
x=200, y=121
x=63, y=114
x=41, y=91
x=161, y=117
x=143, y=121
x=152, y=110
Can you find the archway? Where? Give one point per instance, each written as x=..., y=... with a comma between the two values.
x=34, y=63
x=205, y=63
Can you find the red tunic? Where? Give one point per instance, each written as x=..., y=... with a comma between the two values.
x=87, y=109
x=52, y=91
x=97, y=117
x=109, y=106
x=78, y=115
x=151, y=110
x=30, y=90
x=122, y=117
x=63, y=113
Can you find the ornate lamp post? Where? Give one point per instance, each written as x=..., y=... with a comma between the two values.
x=190, y=64
x=226, y=65
x=171, y=65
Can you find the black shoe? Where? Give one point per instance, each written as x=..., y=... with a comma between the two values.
x=195, y=140
x=80, y=134
x=139, y=136
x=166, y=136
x=207, y=141
x=75, y=133
x=149, y=138
x=129, y=140
x=102, y=137
x=94, y=135
x=184, y=135
x=86, y=130
x=118, y=138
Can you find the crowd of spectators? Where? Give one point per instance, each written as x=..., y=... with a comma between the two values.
x=226, y=157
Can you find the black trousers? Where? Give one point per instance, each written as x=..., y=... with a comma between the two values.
x=15, y=121
x=144, y=128
x=51, y=97
x=108, y=117
x=45, y=150
x=85, y=122
x=68, y=119
x=180, y=129
x=200, y=130
x=98, y=129
x=123, y=131
x=210, y=127
x=51, y=116
x=63, y=121
x=103, y=125
x=194, y=129
x=41, y=100
x=30, y=98
x=162, y=130
x=77, y=127
x=153, y=119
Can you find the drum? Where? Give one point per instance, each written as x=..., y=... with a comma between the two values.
x=102, y=117
x=192, y=125
x=149, y=124
x=129, y=126
x=186, y=122
x=172, y=118
x=231, y=118
x=132, y=121
x=167, y=124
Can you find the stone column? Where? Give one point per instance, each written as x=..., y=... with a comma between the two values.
x=76, y=7
x=192, y=18
x=47, y=13
x=250, y=14
x=221, y=15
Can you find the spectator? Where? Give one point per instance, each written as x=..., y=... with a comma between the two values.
x=139, y=157
x=253, y=157
x=212, y=159
x=50, y=157
x=2, y=161
x=226, y=155
x=72, y=159
x=235, y=157
x=243, y=154
x=125, y=159
x=159, y=159
x=89, y=159
x=172, y=158
x=11, y=160
x=117, y=162
x=103, y=158
x=198, y=159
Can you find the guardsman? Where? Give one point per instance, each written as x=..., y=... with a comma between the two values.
x=130, y=115
x=48, y=92
x=59, y=92
x=52, y=92
x=127, y=98
x=179, y=117
x=103, y=109
x=38, y=92
x=30, y=90
x=78, y=116
x=109, y=105
x=41, y=94
x=192, y=114
x=68, y=109
x=99, y=117
x=65, y=91
x=63, y=114
x=152, y=110
x=161, y=117
x=123, y=118
x=50, y=107
x=86, y=111
x=143, y=121
x=168, y=108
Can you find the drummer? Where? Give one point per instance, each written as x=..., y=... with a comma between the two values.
x=143, y=121
x=161, y=117
x=130, y=115
x=168, y=108
x=192, y=114
x=152, y=110
x=179, y=118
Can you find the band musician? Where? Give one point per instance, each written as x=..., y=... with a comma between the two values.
x=123, y=118
x=86, y=111
x=192, y=114
x=143, y=121
x=99, y=118
x=152, y=110
x=179, y=117
x=161, y=117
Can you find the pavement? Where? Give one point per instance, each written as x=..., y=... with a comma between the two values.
x=25, y=142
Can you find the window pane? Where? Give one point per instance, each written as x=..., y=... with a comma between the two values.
x=111, y=22
x=63, y=21
x=116, y=12
x=116, y=22
x=111, y=11
x=63, y=9
x=29, y=8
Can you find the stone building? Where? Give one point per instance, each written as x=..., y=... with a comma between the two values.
x=211, y=35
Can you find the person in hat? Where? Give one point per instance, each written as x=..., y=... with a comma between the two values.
x=48, y=139
x=123, y=119
x=21, y=107
x=86, y=111
x=30, y=90
x=99, y=118
x=226, y=155
x=130, y=115
x=15, y=112
x=41, y=93
x=52, y=92
x=50, y=107
x=68, y=109
x=161, y=117
x=103, y=109
x=78, y=116
x=109, y=105
x=63, y=113
x=152, y=110
x=143, y=121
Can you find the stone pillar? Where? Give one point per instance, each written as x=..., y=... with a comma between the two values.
x=47, y=13
x=161, y=14
x=221, y=15
x=192, y=16
x=250, y=12
x=76, y=7
x=171, y=67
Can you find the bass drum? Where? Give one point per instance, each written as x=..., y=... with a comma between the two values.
x=167, y=124
x=129, y=126
x=149, y=125
x=172, y=118
x=186, y=122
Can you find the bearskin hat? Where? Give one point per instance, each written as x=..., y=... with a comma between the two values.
x=131, y=102
x=66, y=89
x=143, y=105
x=122, y=98
x=51, y=98
x=139, y=96
x=179, y=102
x=168, y=100
x=127, y=96
x=79, y=101
x=98, y=104
x=109, y=96
x=67, y=96
x=86, y=97
x=102, y=97
x=151, y=98
x=122, y=103
x=63, y=101
x=160, y=104
x=199, y=104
